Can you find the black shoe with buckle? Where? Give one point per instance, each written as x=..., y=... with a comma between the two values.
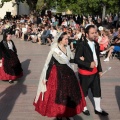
x=103, y=113
x=86, y=112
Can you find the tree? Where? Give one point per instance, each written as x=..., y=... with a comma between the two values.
x=40, y=4
x=45, y=4
x=87, y=6
x=32, y=4
x=76, y=6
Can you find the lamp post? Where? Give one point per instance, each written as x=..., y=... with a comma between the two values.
x=103, y=12
x=103, y=9
x=17, y=2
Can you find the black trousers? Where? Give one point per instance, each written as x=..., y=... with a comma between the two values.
x=92, y=82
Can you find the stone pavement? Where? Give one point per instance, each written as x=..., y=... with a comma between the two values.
x=16, y=100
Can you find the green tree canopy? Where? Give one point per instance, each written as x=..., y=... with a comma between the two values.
x=88, y=6
x=76, y=6
x=81, y=6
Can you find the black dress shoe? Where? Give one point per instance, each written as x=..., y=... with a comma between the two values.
x=86, y=112
x=103, y=113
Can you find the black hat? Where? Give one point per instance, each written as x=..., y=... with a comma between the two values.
x=6, y=32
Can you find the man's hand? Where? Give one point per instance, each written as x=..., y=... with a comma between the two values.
x=100, y=74
x=93, y=64
x=0, y=61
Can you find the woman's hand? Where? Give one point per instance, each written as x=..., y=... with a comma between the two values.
x=0, y=63
x=44, y=82
x=82, y=58
x=100, y=74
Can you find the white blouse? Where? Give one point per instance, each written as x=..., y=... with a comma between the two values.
x=10, y=45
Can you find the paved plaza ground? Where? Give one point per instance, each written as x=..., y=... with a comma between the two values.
x=16, y=100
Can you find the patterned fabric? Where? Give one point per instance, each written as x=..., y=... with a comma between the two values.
x=64, y=97
x=11, y=68
x=68, y=90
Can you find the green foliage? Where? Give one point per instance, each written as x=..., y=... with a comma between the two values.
x=40, y=4
x=32, y=4
x=76, y=6
x=85, y=6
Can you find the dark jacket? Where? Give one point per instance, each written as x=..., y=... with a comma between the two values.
x=4, y=49
x=83, y=49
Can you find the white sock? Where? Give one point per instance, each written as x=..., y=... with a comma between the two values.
x=97, y=104
x=85, y=108
x=107, y=59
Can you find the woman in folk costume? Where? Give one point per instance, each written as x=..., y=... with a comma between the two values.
x=10, y=68
x=59, y=93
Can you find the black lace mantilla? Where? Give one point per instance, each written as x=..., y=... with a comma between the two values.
x=68, y=89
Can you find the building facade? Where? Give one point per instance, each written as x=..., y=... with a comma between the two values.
x=14, y=8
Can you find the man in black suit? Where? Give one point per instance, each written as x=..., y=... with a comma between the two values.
x=87, y=58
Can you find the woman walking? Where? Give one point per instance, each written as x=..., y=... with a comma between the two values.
x=10, y=68
x=59, y=93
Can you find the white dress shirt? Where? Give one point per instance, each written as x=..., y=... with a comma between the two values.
x=92, y=46
x=53, y=32
x=10, y=45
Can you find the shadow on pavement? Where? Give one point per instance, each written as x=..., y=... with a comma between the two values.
x=104, y=117
x=117, y=93
x=90, y=96
x=9, y=96
x=78, y=117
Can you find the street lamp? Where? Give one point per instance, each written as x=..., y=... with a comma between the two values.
x=103, y=9
x=16, y=3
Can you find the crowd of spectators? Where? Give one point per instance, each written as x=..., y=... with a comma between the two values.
x=42, y=29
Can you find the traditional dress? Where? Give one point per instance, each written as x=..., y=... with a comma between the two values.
x=62, y=95
x=11, y=67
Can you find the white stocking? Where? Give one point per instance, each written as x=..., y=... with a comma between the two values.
x=97, y=104
x=85, y=108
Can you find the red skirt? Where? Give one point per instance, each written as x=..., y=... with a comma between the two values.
x=5, y=76
x=48, y=107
